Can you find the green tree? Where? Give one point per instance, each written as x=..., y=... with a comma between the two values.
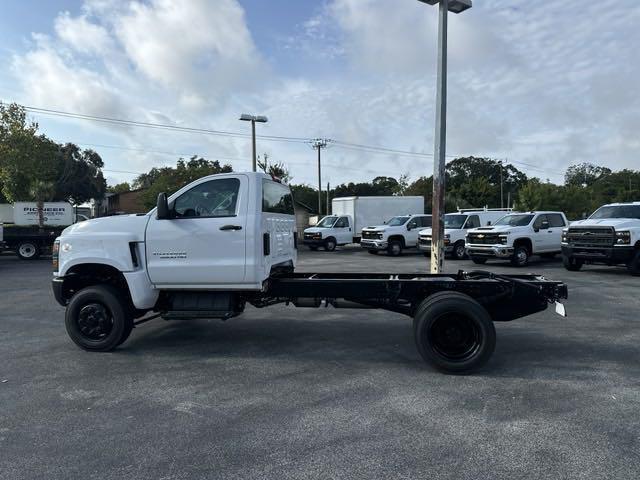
x=79, y=175
x=585, y=174
x=119, y=188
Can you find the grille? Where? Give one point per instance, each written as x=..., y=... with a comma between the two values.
x=483, y=238
x=424, y=240
x=369, y=235
x=591, y=237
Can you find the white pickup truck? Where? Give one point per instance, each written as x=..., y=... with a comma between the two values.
x=610, y=236
x=455, y=229
x=394, y=236
x=517, y=237
x=228, y=240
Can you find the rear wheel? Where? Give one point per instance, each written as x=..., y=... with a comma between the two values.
x=454, y=332
x=458, y=250
x=97, y=320
x=479, y=260
x=28, y=250
x=520, y=256
x=634, y=264
x=395, y=248
x=572, y=264
x=329, y=244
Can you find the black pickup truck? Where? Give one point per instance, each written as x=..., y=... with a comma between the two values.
x=28, y=242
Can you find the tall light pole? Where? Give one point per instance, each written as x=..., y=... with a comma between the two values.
x=253, y=119
x=437, y=204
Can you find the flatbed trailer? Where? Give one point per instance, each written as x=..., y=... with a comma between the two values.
x=28, y=241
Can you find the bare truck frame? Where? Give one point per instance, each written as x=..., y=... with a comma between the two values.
x=453, y=314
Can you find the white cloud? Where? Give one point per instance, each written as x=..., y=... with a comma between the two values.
x=81, y=34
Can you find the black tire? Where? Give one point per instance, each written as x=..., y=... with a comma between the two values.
x=394, y=249
x=458, y=250
x=373, y=252
x=454, y=332
x=27, y=250
x=520, y=257
x=572, y=264
x=634, y=265
x=97, y=319
x=479, y=260
x=330, y=244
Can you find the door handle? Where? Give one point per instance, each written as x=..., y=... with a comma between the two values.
x=231, y=227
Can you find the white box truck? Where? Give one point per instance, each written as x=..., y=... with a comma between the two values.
x=19, y=229
x=352, y=214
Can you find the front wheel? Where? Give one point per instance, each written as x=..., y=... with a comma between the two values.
x=97, y=320
x=454, y=332
x=330, y=245
x=28, y=250
x=520, y=256
x=634, y=265
x=458, y=250
x=572, y=264
x=395, y=248
x=479, y=260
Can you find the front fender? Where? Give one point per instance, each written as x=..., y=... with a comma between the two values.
x=110, y=249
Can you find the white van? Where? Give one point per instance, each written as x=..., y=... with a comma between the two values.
x=456, y=226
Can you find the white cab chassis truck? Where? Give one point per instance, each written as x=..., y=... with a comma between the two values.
x=398, y=233
x=517, y=237
x=610, y=236
x=456, y=226
x=225, y=241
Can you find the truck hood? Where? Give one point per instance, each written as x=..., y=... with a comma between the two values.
x=376, y=228
x=131, y=225
x=447, y=231
x=616, y=223
x=316, y=230
x=498, y=229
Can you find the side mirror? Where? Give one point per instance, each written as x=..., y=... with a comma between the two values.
x=162, y=207
x=489, y=223
x=544, y=225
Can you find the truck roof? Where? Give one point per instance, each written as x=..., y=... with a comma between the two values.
x=619, y=204
x=376, y=196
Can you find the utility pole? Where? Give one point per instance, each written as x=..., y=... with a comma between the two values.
x=501, y=189
x=329, y=189
x=253, y=119
x=319, y=144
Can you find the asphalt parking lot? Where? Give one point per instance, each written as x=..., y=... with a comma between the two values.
x=302, y=393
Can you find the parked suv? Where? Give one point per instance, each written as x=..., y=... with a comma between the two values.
x=517, y=236
x=332, y=230
x=611, y=236
x=455, y=229
x=397, y=234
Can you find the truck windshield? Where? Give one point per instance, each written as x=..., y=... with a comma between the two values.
x=515, y=220
x=454, y=221
x=397, y=221
x=617, y=211
x=327, y=222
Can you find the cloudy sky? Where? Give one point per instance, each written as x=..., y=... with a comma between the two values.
x=543, y=84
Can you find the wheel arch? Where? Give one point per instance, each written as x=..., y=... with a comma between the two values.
x=398, y=237
x=84, y=275
x=524, y=241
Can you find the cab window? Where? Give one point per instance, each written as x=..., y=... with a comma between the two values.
x=215, y=198
x=472, y=222
x=555, y=220
x=276, y=198
x=538, y=222
x=342, y=222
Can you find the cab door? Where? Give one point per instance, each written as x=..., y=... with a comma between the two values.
x=543, y=235
x=343, y=230
x=203, y=242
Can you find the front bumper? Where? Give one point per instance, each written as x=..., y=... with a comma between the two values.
x=498, y=251
x=374, y=244
x=313, y=242
x=57, y=284
x=605, y=255
x=426, y=247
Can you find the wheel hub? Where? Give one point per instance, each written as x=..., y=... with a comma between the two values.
x=455, y=337
x=95, y=321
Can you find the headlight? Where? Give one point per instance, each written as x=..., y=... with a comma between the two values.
x=503, y=238
x=623, y=238
x=317, y=236
x=564, y=235
x=380, y=236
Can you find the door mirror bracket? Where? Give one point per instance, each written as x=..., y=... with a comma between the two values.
x=162, y=207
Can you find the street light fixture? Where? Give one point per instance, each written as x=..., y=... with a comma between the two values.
x=437, y=203
x=253, y=119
